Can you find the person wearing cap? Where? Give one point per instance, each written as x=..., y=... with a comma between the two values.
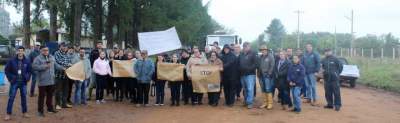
x=248, y=64
x=144, y=69
x=195, y=59
x=265, y=69
x=32, y=57
x=18, y=72
x=312, y=63
x=229, y=75
x=45, y=66
x=332, y=68
x=62, y=84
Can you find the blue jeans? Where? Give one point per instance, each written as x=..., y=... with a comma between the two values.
x=33, y=84
x=296, y=98
x=249, y=81
x=160, y=86
x=267, y=85
x=311, y=90
x=13, y=91
x=80, y=92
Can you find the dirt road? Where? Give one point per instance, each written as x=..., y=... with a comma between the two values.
x=360, y=105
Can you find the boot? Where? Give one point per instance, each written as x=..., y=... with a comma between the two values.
x=265, y=101
x=269, y=101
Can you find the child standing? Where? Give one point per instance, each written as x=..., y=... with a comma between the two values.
x=296, y=74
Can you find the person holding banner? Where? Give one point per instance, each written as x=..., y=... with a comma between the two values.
x=62, y=83
x=144, y=69
x=229, y=76
x=175, y=86
x=119, y=81
x=248, y=66
x=160, y=84
x=196, y=59
x=213, y=97
x=266, y=67
x=80, y=86
x=132, y=82
x=102, y=69
x=187, y=88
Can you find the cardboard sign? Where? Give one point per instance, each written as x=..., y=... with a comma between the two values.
x=123, y=68
x=76, y=71
x=206, y=78
x=171, y=72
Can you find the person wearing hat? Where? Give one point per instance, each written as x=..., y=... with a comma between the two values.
x=18, y=72
x=332, y=68
x=229, y=75
x=265, y=69
x=35, y=52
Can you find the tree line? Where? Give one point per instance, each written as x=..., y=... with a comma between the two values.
x=116, y=20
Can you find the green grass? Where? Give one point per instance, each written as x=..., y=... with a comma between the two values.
x=379, y=73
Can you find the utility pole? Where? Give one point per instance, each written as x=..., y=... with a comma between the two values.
x=298, y=12
x=351, y=19
x=335, y=41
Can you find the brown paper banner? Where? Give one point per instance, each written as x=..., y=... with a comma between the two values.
x=170, y=72
x=206, y=78
x=76, y=71
x=123, y=68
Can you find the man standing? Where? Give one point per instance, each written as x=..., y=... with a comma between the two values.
x=18, y=72
x=248, y=66
x=236, y=52
x=289, y=53
x=229, y=76
x=332, y=68
x=62, y=58
x=32, y=57
x=265, y=69
x=44, y=64
x=311, y=61
x=80, y=86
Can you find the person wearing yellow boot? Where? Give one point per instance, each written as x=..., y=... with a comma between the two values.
x=266, y=66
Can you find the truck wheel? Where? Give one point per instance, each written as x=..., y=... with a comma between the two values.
x=352, y=83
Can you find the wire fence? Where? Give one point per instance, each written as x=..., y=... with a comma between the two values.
x=372, y=53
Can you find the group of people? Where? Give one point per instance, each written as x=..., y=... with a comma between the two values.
x=292, y=75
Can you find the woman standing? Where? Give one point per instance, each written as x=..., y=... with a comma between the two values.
x=196, y=59
x=187, y=89
x=213, y=97
x=229, y=76
x=160, y=84
x=175, y=86
x=102, y=69
x=120, y=81
x=144, y=69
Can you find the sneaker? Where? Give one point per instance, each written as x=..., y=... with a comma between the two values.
x=40, y=114
x=249, y=106
x=328, y=107
x=98, y=102
x=7, y=117
x=337, y=108
x=156, y=104
x=103, y=101
x=52, y=111
x=58, y=107
x=137, y=105
x=161, y=104
x=68, y=106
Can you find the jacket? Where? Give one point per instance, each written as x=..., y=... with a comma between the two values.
x=266, y=65
x=332, y=68
x=248, y=63
x=230, y=61
x=144, y=70
x=64, y=59
x=193, y=60
x=281, y=73
x=102, y=67
x=311, y=62
x=296, y=74
x=11, y=70
x=45, y=75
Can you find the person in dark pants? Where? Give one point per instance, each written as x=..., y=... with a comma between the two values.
x=281, y=70
x=213, y=97
x=238, y=87
x=120, y=81
x=132, y=82
x=332, y=68
x=229, y=75
x=32, y=57
x=18, y=72
x=144, y=69
x=175, y=86
x=72, y=54
x=62, y=58
x=296, y=74
x=102, y=69
x=186, y=84
x=160, y=84
x=94, y=55
x=45, y=64
x=196, y=59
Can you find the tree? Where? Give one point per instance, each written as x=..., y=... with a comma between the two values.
x=3, y=40
x=276, y=32
x=77, y=21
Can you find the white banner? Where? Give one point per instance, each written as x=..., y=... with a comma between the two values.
x=159, y=41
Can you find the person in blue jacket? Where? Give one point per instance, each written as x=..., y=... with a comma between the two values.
x=296, y=74
x=312, y=63
x=144, y=69
x=18, y=72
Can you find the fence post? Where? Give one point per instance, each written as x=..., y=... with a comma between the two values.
x=394, y=53
x=341, y=52
x=372, y=53
x=355, y=52
x=349, y=52
x=362, y=52
x=381, y=53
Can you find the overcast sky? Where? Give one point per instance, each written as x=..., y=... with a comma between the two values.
x=250, y=17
